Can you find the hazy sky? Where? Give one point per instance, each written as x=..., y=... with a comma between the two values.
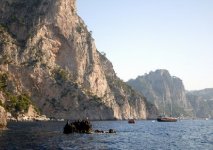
x=139, y=36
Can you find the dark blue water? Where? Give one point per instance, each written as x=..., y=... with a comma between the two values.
x=182, y=135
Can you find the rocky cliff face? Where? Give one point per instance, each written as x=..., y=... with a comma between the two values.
x=49, y=57
x=202, y=102
x=165, y=91
x=3, y=118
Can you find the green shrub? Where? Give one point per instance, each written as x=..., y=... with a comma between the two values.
x=18, y=103
x=3, y=81
x=61, y=75
x=23, y=103
x=79, y=29
x=38, y=110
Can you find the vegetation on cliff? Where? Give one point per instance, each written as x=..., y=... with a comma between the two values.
x=14, y=102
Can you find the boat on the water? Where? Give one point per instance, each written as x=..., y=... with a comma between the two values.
x=131, y=121
x=166, y=119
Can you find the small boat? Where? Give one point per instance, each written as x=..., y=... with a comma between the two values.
x=131, y=121
x=166, y=119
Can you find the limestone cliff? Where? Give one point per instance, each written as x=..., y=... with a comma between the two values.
x=202, y=102
x=50, y=57
x=165, y=91
x=3, y=118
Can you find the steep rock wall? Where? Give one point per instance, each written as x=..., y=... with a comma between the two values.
x=3, y=118
x=46, y=46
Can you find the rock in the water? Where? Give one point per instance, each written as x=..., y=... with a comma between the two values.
x=112, y=131
x=99, y=131
x=3, y=118
x=102, y=131
x=83, y=126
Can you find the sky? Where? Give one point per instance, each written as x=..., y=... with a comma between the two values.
x=139, y=36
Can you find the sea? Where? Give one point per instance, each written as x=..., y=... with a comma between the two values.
x=143, y=135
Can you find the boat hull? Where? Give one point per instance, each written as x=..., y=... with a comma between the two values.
x=167, y=119
x=131, y=121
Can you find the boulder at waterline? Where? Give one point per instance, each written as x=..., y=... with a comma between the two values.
x=83, y=126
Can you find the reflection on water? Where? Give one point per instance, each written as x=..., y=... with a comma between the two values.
x=142, y=135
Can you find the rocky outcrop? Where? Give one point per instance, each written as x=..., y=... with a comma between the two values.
x=3, y=118
x=202, y=102
x=83, y=126
x=165, y=91
x=48, y=53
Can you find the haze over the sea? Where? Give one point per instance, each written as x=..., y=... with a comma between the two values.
x=139, y=36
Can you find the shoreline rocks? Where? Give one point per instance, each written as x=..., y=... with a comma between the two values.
x=30, y=115
x=25, y=118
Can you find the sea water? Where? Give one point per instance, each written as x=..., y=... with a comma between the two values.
x=151, y=135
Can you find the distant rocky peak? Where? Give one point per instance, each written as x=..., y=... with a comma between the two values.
x=163, y=90
x=162, y=72
x=159, y=73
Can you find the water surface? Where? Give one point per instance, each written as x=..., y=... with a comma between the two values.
x=187, y=134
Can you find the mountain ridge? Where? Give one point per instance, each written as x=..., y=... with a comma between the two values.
x=158, y=85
